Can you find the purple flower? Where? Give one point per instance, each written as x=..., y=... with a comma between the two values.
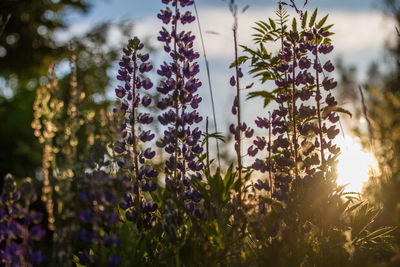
x=145, y=67
x=262, y=123
x=146, y=136
x=325, y=48
x=252, y=151
x=187, y=17
x=37, y=232
x=113, y=261
x=304, y=63
x=149, y=154
x=19, y=227
x=260, y=185
x=329, y=84
x=259, y=165
x=178, y=104
x=146, y=83
x=260, y=143
x=328, y=66
x=165, y=15
x=232, y=81
x=120, y=92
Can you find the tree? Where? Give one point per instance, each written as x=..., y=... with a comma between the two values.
x=28, y=48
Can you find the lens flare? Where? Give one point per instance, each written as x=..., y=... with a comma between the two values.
x=355, y=164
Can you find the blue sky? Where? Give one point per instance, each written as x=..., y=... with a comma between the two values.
x=354, y=21
x=127, y=9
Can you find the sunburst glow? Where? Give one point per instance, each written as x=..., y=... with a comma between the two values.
x=354, y=164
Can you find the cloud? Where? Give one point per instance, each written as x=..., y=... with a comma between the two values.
x=354, y=31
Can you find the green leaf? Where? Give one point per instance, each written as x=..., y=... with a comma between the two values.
x=217, y=135
x=328, y=27
x=304, y=21
x=267, y=96
x=228, y=178
x=264, y=27
x=379, y=233
x=313, y=17
x=201, y=187
x=76, y=261
x=355, y=206
x=329, y=109
x=321, y=22
x=272, y=23
x=240, y=61
x=294, y=25
x=364, y=216
x=327, y=40
x=342, y=110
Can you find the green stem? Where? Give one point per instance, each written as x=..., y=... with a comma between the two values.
x=177, y=259
x=239, y=123
x=296, y=172
x=317, y=97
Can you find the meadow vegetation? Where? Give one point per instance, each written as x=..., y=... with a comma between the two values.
x=135, y=184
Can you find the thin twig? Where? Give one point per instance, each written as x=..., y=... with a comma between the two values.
x=3, y=27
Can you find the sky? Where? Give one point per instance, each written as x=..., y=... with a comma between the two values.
x=361, y=31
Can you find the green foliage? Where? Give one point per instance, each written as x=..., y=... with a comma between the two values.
x=267, y=96
x=32, y=25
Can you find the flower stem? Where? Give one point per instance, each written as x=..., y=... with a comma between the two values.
x=133, y=113
x=239, y=123
x=296, y=172
x=318, y=99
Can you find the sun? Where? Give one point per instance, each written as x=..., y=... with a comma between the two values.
x=354, y=164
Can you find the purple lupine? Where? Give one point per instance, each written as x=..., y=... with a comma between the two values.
x=180, y=140
x=179, y=87
x=133, y=65
x=301, y=132
x=19, y=226
x=99, y=216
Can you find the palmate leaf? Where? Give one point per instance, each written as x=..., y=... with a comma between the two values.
x=363, y=216
x=265, y=31
x=282, y=15
x=264, y=27
x=267, y=96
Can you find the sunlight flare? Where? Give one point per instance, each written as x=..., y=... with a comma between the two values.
x=354, y=165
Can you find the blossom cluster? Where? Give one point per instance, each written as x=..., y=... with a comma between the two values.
x=19, y=225
x=303, y=125
x=178, y=104
x=98, y=216
x=143, y=178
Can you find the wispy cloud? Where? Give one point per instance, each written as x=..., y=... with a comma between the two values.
x=354, y=31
